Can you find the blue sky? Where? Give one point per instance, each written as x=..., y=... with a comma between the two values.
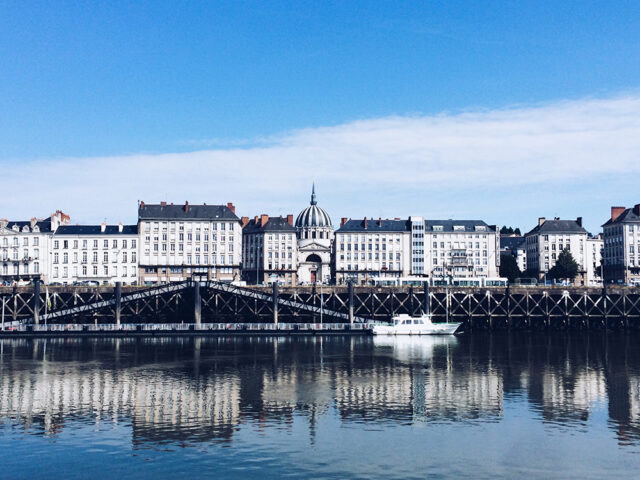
x=85, y=86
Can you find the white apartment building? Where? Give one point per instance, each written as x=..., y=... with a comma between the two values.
x=94, y=254
x=25, y=246
x=365, y=249
x=180, y=241
x=595, y=246
x=621, y=257
x=459, y=249
x=269, y=250
x=549, y=238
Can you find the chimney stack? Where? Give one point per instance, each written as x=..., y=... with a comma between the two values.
x=33, y=222
x=163, y=204
x=120, y=227
x=264, y=218
x=380, y=221
x=186, y=207
x=365, y=223
x=541, y=220
x=616, y=212
x=103, y=227
x=255, y=220
x=244, y=221
x=290, y=219
x=579, y=221
x=141, y=204
x=636, y=209
x=232, y=207
x=343, y=220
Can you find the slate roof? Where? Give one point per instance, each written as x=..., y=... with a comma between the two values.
x=95, y=230
x=195, y=212
x=44, y=225
x=512, y=243
x=557, y=226
x=628, y=216
x=373, y=226
x=274, y=224
x=447, y=225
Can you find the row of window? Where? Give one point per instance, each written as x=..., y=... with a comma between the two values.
x=107, y=271
x=85, y=243
x=25, y=241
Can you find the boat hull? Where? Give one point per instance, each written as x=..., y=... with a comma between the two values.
x=433, y=329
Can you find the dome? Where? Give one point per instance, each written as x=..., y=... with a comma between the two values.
x=313, y=215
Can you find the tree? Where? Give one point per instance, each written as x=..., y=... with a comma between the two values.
x=510, y=231
x=509, y=267
x=565, y=268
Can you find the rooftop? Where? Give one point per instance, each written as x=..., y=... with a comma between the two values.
x=558, y=226
x=379, y=225
x=271, y=224
x=458, y=226
x=96, y=230
x=164, y=211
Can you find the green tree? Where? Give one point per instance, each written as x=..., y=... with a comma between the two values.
x=506, y=231
x=509, y=267
x=565, y=268
x=517, y=231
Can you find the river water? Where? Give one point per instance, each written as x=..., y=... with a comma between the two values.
x=497, y=406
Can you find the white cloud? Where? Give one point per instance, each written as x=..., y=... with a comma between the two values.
x=509, y=165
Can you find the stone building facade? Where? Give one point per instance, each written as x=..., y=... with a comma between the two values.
x=549, y=238
x=181, y=241
x=621, y=249
x=367, y=249
x=25, y=247
x=269, y=250
x=94, y=254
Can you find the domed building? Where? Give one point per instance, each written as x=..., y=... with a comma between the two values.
x=315, y=238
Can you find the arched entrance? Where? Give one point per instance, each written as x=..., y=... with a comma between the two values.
x=315, y=267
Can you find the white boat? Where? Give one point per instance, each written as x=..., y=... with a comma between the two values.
x=407, y=325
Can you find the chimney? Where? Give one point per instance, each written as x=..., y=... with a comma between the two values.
x=579, y=221
x=119, y=227
x=232, y=207
x=255, y=220
x=186, y=206
x=141, y=204
x=365, y=223
x=541, y=220
x=380, y=221
x=33, y=222
x=290, y=219
x=636, y=209
x=103, y=227
x=616, y=212
x=264, y=218
x=343, y=220
x=3, y=222
x=244, y=221
x=163, y=204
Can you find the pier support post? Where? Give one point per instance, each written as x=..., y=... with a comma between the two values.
x=427, y=299
x=36, y=301
x=411, y=301
x=275, y=303
x=197, y=304
x=118, y=301
x=350, y=301
x=508, y=299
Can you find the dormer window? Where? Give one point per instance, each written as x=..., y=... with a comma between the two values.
x=15, y=228
x=458, y=228
x=437, y=228
x=36, y=228
x=25, y=229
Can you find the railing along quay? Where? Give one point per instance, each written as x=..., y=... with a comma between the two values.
x=211, y=302
x=128, y=329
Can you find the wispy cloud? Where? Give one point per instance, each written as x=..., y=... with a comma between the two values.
x=508, y=165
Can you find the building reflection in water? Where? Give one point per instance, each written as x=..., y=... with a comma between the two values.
x=201, y=389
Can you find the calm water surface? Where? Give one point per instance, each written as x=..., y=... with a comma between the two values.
x=321, y=407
